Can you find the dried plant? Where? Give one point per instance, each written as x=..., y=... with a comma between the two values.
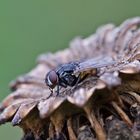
x=99, y=108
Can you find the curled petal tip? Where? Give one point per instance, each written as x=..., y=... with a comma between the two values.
x=16, y=120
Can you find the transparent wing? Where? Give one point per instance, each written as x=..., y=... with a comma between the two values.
x=94, y=63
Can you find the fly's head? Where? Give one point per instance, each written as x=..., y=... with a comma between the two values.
x=51, y=79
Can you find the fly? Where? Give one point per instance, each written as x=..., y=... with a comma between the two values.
x=71, y=74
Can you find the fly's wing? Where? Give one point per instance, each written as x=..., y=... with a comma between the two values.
x=94, y=63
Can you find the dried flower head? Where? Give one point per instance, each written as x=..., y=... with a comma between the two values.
x=103, y=107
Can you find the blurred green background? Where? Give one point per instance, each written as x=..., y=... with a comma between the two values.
x=28, y=28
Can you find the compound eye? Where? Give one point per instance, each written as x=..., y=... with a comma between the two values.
x=51, y=79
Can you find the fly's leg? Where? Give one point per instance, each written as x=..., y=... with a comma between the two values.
x=78, y=80
x=57, y=91
x=51, y=90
